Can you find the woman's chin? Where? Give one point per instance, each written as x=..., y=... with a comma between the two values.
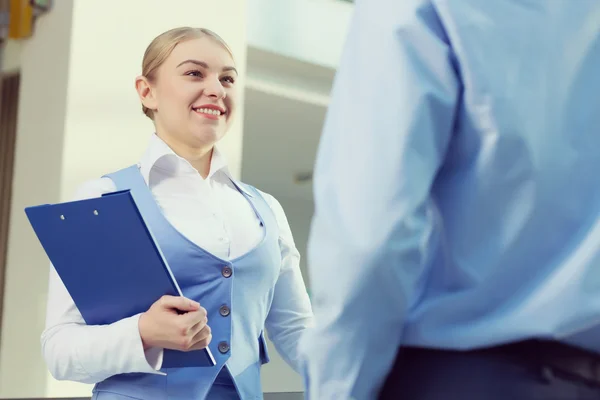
x=207, y=136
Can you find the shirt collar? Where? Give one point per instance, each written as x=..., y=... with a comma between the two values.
x=159, y=155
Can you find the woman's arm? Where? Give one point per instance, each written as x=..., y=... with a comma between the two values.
x=89, y=354
x=290, y=312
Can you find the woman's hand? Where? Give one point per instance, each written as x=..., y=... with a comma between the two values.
x=175, y=322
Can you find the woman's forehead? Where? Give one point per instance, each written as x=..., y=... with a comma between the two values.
x=205, y=50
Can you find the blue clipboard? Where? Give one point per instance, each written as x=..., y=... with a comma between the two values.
x=109, y=262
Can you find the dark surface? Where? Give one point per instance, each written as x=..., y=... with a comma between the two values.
x=268, y=396
x=480, y=374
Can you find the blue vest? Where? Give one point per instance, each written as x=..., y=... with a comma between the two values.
x=237, y=295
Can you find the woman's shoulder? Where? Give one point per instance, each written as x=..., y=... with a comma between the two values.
x=273, y=204
x=94, y=188
x=269, y=199
x=285, y=231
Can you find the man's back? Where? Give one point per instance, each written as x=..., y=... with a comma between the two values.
x=457, y=204
x=518, y=252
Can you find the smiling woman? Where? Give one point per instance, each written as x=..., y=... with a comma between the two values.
x=188, y=89
x=228, y=244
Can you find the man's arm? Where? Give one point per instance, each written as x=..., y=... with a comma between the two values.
x=385, y=136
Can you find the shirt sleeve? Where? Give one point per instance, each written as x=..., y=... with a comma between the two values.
x=290, y=313
x=385, y=138
x=89, y=354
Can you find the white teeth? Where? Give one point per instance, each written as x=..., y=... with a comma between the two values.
x=209, y=111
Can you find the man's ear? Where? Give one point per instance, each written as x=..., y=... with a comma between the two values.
x=145, y=92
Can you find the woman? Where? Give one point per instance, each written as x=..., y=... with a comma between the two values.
x=229, y=245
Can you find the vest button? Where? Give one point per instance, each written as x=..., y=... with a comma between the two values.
x=223, y=347
x=226, y=271
x=224, y=310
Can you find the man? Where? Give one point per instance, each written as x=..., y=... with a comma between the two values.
x=455, y=249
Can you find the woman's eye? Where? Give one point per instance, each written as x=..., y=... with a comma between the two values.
x=195, y=73
x=229, y=79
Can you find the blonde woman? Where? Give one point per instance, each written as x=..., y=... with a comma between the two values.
x=229, y=245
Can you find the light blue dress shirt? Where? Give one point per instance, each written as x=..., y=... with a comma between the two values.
x=457, y=185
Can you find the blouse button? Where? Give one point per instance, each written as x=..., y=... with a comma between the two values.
x=226, y=271
x=224, y=311
x=223, y=347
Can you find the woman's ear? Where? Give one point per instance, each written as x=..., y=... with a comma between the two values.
x=146, y=93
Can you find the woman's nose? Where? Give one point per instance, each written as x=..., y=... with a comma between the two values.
x=214, y=88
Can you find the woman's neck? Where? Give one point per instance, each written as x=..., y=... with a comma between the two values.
x=199, y=157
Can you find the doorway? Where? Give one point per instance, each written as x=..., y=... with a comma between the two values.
x=9, y=100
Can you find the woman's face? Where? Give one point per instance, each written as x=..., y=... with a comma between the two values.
x=193, y=94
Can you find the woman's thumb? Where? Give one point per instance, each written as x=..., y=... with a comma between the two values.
x=180, y=303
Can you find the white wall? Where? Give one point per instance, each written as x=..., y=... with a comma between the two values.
x=11, y=59
x=79, y=117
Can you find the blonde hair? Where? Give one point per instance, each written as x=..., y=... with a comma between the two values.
x=161, y=47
